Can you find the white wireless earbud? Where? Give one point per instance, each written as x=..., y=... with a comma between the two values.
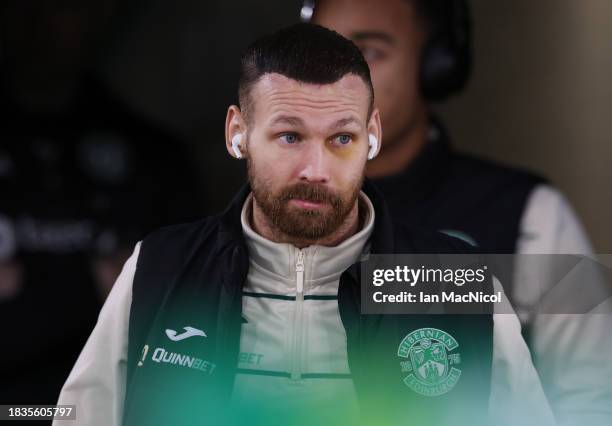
x=373, y=142
x=236, y=145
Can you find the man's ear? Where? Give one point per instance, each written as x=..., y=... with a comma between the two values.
x=235, y=132
x=375, y=129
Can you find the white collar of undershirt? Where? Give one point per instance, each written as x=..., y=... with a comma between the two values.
x=320, y=261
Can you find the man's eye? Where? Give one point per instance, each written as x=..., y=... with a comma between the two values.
x=289, y=138
x=372, y=54
x=343, y=139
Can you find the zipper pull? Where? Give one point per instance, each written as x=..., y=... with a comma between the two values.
x=298, y=318
x=299, y=271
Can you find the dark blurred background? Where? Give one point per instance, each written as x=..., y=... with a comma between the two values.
x=113, y=124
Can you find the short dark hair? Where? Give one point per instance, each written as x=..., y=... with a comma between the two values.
x=307, y=53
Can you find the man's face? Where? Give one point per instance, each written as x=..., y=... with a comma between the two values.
x=391, y=37
x=306, y=151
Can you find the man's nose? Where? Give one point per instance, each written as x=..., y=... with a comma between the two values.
x=314, y=166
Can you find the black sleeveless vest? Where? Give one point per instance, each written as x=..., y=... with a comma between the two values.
x=192, y=275
x=473, y=199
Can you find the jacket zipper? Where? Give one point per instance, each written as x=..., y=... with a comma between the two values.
x=296, y=358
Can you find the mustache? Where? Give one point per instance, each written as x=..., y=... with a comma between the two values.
x=315, y=193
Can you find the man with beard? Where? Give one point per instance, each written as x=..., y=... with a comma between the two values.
x=254, y=315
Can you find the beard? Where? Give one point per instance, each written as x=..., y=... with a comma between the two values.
x=303, y=223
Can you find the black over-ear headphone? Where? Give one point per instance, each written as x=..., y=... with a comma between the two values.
x=446, y=60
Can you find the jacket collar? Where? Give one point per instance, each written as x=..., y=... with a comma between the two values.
x=230, y=229
x=322, y=264
x=382, y=238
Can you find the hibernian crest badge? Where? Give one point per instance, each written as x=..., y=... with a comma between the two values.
x=429, y=359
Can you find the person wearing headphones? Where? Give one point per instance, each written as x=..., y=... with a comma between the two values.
x=253, y=315
x=419, y=53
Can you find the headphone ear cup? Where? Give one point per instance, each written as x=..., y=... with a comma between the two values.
x=446, y=58
x=440, y=74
